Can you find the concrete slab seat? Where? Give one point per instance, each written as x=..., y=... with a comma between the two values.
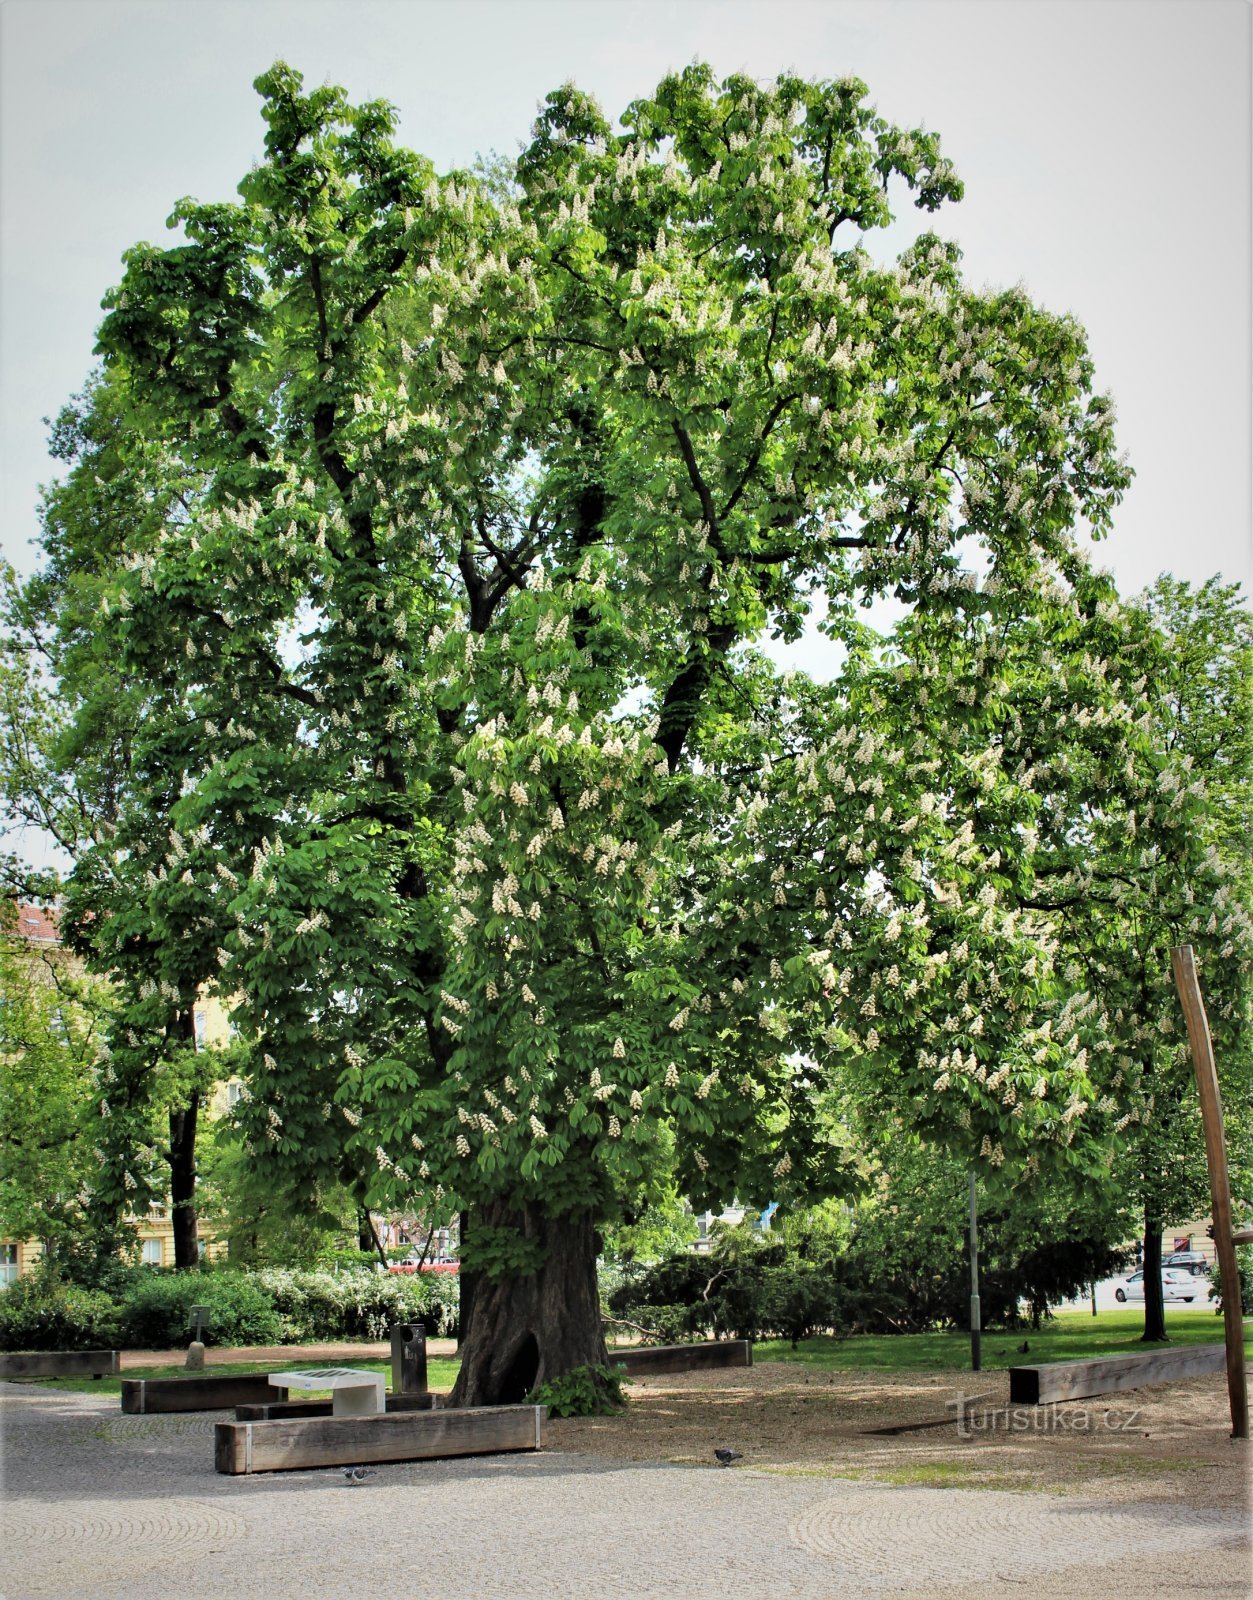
x=643, y=1361
x=208, y=1391
x=290, y=1443
x=58, y=1363
x=353, y=1393
x=1055, y=1381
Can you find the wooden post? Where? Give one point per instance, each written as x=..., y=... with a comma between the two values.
x=976, y=1321
x=1184, y=963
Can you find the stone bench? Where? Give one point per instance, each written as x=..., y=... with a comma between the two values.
x=292, y=1442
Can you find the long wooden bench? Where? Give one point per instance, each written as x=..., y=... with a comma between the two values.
x=58, y=1363
x=1078, y=1380
x=210, y=1391
x=274, y=1410
x=278, y=1446
x=643, y=1361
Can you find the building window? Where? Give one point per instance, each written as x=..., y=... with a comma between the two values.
x=234, y=1091
x=8, y=1265
x=201, y=1026
x=152, y=1253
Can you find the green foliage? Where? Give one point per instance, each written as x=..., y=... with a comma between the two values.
x=1244, y=1268
x=156, y=1313
x=583, y=1392
x=146, y=1309
x=658, y=1230
x=41, y=1312
x=358, y=1304
x=51, y=1029
x=746, y=1287
x=898, y=1263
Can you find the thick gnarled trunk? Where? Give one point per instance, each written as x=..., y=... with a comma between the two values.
x=520, y=1332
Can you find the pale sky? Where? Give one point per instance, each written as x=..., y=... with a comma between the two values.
x=1105, y=146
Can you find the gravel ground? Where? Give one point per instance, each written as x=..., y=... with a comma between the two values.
x=129, y=1508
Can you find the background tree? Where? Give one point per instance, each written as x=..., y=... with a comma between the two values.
x=97, y=759
x=50, y=1040
x=523, y=852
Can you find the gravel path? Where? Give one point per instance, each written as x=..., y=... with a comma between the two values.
x=111, y=1507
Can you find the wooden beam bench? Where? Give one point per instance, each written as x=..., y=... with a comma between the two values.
x=279, y=1446
x=274, y=1410
x=205, y=1392
x=58, y=1363
x=644, y=1360
x=1078, y=1380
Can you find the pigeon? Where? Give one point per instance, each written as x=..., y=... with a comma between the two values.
x=726, y=1457
x=358, y=1474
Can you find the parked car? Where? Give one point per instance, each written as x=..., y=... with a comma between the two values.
x=1176, y=1285
x=1188, y=1261
x=412, y=1264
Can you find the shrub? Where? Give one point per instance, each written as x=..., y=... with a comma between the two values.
x=156, y=1313
x=41, y=1313
x=1244, y=1267
x=584, y=1392
x=357, y=1303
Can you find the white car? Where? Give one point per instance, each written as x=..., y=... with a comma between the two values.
x=1176, y=1285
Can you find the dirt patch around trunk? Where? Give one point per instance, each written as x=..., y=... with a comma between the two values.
x=1168, y=1442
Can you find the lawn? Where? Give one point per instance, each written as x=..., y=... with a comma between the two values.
x=1069, y=1336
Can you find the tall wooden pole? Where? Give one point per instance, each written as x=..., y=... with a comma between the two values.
x=1184, y=963
x=976, y=1320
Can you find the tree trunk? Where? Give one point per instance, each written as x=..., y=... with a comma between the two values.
x=527, y=1330
x=1154, y=1305
x=183, y=1183
x=367, y=1235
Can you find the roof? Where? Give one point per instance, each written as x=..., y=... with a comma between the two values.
x=38, y=924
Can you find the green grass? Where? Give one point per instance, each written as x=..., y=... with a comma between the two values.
x=1070, y=1336
x=441, y=1373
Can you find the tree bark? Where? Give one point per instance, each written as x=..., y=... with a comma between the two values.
x=530, y=1329
x=1154, y=1305
x=183, y=1183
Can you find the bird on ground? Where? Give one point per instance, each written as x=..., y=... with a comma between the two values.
x=726, y=1457
x=1024, y=1346
x=358, y=1474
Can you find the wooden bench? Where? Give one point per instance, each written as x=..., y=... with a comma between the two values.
x=278, y=1446
x=274, y=1410
x=205, y=1392
x=58, y=1363
x=1078, y=1380
x=645, y=1360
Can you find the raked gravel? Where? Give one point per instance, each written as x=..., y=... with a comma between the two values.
x=106, y=1507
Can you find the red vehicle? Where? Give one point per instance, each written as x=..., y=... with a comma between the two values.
x=411, y=1265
